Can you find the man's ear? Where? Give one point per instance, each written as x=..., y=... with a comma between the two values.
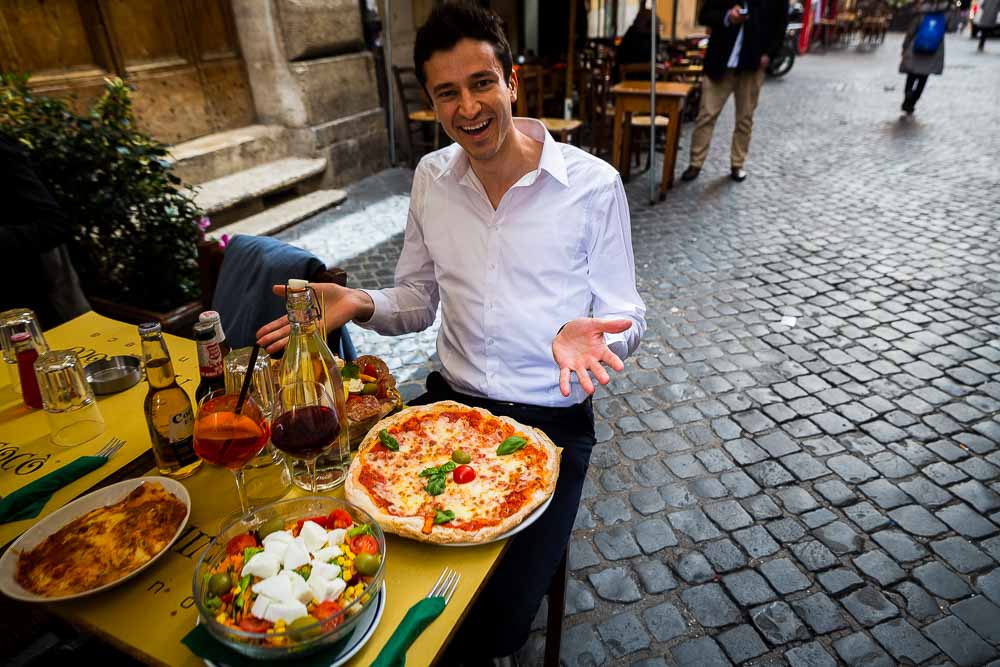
x=513, y=86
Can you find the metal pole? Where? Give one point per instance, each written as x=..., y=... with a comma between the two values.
x=389, y=79
x=570, y=62
x=652, y=107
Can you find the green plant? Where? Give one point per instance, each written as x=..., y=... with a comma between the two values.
x=135, y=226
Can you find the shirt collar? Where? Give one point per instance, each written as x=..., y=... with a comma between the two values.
x=551, y=161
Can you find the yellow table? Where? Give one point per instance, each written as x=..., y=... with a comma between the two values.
x=25, y=450
x=148, y=615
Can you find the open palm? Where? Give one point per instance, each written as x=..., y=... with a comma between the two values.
x=580, y=348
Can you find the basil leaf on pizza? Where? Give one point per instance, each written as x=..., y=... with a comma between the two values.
x=405, y=494
x=511, y=445
x=443, y=516
x=388, y=441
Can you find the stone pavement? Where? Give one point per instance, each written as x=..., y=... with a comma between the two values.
x=801, y=464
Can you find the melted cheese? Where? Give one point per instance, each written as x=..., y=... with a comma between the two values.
x=103, y=545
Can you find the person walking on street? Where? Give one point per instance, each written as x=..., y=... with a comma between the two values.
x=744, y=39
x=923, y=49
x=525, y=243
x=987, y=20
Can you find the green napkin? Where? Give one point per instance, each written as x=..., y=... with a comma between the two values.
x=201, y=642
x=28, y=501
x=417, y=618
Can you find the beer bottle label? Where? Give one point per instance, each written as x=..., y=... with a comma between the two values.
x=210, y=361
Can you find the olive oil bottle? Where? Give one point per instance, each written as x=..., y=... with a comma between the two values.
x=169, y=414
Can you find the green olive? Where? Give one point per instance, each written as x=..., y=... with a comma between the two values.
x=367, y=564
x=370, y=389
x=270, y=526
x=305, y=628
x=461, y=456
x=219, y=584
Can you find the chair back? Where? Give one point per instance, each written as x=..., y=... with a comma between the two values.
x=530, y=92
x=410, y=92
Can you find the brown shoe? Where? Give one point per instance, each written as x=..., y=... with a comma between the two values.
x=690, y=173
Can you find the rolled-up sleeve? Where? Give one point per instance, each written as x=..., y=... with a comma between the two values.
x=611, y=267
x=411, y=305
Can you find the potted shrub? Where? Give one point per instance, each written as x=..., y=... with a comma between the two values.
x=135, y=225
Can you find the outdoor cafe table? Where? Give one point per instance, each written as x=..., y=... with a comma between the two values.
x=633, y=97
x=148, y=615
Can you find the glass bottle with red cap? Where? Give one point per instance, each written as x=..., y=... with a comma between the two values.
x=24, y=348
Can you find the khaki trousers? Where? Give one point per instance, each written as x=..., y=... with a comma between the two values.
x=745, y=88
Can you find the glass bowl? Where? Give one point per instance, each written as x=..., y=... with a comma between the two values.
x=302, y=640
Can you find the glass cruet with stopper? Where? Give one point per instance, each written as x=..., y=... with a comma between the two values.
x=308, y=358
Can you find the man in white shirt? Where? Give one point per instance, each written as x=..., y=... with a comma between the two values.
x=526, y=245
x=744, y=38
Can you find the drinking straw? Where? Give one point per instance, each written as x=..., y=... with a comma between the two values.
x=251, y=365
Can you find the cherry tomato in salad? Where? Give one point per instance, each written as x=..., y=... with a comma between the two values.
x=464, y=474
x=320, y=520
x=251, y=624
x=326, y=610
x=236, y=545
x=339, y=519
x=364, y=544
x=370, y=371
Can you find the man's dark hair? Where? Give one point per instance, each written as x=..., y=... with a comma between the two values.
x=452, y=22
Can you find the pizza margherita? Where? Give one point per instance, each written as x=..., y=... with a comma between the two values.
x=448, y=473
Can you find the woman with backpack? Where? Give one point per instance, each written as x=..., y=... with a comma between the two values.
x=923, y=48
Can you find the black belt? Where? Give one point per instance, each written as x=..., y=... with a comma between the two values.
x=436, y=382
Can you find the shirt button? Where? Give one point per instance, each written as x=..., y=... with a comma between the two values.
x=493, y=267
x=489, y=342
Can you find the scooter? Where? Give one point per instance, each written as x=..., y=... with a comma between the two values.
x=782, y=64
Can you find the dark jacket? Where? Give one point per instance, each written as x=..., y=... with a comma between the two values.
x=763, y=33
x=912, y=61
x=31, y=225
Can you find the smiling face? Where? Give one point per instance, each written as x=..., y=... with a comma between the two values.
x=471, y=98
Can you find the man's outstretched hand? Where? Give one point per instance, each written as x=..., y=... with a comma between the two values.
x=579, y=348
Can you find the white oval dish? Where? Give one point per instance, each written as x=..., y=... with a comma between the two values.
x=109, y=495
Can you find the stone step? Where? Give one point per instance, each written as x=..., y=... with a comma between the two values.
x=251, y=191
x=273, y=220
x=223, y=153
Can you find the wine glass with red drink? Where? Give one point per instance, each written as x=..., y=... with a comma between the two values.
x=229, y=439
x=305, y=423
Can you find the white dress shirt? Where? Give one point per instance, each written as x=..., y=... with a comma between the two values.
x=734, y=55
x=558, y=247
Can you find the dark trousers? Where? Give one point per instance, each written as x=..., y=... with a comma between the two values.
x=499, y=621
x=914, y=88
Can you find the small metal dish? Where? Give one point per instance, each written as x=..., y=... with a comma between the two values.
x=112, y=375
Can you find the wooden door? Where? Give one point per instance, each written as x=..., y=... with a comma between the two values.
x=182, y=57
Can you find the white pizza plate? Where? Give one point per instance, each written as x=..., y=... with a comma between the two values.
x=363, y=631
x=528, y=520
x=109, y=495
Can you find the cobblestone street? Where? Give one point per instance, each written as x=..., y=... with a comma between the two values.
x=801, y=464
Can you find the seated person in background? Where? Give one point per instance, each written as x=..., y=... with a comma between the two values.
x=32, y=225
x=634, y=47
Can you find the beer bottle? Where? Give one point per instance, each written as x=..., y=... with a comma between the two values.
x=168, y=408
x=210, y=360
x=220, y=335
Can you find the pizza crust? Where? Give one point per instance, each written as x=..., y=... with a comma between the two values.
x=412, y=527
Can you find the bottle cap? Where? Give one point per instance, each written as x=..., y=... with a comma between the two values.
x=297, y=283
x=147, y=328
x=209, y=316
x=20, y=337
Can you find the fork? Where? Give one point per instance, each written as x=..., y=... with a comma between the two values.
x=445, y=586
x=419, y=616
x=108, y=450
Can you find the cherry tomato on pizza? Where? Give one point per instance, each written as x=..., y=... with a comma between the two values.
x=464, y=474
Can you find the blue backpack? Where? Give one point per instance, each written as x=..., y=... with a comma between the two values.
x=930, y=33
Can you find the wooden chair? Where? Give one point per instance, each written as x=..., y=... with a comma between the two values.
x=601, y=110
x=531, y=103
x=418, y=113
